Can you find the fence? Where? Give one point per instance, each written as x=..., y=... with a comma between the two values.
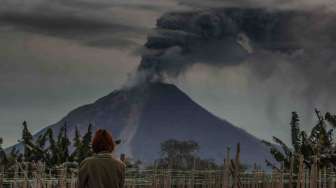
x=35, y=175
x=187, y=179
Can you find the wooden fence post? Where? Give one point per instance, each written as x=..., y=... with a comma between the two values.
x=16, y=169
x=299, y=183
x=2, y=175
x=281, y=183
x=49, y=183
x=61, y=177
x=291, y=172
x=64, y=178
x=192, y=180
x=237, y=168
x=255, y=176
x=314, y=174
x=319, y=178
x=154, y=175
x=226, y=168
x=169, y=183
x=26, y=174
x=273, y=178
x=325, y=183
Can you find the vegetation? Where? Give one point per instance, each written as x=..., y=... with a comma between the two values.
x=319, y=143
x=45, y=148
x=178, y=154
x=54, y=151
x=3, y=157
x=182, y=155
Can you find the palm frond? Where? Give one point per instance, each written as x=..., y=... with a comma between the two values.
x=331, y=119
x=275, y=152
x=284, y=147
x=273, y=166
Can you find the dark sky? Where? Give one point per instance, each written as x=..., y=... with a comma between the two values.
x=58, y=55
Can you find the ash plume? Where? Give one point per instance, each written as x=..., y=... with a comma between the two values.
x=231, y=36
x=280, y=47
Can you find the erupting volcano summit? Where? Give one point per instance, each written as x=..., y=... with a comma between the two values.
x=146, y=115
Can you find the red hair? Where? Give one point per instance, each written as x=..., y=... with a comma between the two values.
x=102, y=141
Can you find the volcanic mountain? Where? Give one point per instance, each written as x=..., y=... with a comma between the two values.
x=146, y=115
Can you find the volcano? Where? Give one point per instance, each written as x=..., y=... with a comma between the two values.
x=146, y=115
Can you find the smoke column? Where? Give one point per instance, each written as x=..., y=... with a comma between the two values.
x=271, y=43
x=231, y=36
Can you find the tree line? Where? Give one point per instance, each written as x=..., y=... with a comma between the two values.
x=56, y=150
x=51, y=149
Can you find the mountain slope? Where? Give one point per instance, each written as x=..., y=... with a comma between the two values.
x=144, y=116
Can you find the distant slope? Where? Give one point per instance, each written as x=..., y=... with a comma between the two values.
x=146, y=115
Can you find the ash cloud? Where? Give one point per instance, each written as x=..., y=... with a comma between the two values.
x=328, y=5
x=227, y=36
x=280, y=47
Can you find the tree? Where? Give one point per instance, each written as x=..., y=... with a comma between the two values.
x=41, y=141
x=318, y=143
x=52, y=149
x=3, y=156
x=48, y=149
x=27, y=139
x=86, y=149
x=331, y=119
x=178, y=154
x=295, y=131
x=13, y=157
x=77, y=154
x=63, y=144
x=33, y=150
x=38, y=149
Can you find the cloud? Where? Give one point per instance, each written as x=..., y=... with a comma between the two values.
x=88, y=31
x=100, y=23
x=287, y=54
x=42, y=72
x=229, y=36
x=101, y=5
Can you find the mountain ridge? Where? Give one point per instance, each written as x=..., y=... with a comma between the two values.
x=146, y=115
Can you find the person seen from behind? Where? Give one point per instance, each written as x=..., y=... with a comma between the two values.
x=102, y=170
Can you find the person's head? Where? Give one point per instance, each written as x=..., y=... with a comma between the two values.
x=102, y=141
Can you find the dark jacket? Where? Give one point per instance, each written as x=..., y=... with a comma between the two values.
x=101, y=171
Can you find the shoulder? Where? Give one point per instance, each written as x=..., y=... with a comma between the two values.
x=86, y=161
x=119, y=163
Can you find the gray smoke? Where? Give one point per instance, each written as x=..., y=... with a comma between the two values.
x=231, y=36
x=291, y=48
